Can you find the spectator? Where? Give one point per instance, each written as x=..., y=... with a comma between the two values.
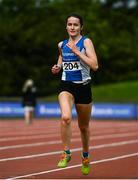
x=29, y=100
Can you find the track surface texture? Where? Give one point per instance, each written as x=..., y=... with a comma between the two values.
x=32, y=152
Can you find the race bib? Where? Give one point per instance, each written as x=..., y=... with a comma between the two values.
x=71, y=66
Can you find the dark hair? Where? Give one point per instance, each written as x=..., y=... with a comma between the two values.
x=76, y=16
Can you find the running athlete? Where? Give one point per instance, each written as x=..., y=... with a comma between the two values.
x=76, y=57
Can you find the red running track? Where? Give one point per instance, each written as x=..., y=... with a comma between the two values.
x=32, y=152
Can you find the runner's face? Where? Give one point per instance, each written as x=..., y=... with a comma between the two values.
x=73, y=26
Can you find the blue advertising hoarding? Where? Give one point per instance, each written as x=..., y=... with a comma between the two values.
x=136, y=110
x=11, y=109
x=50, y=110
x=107, y=110
x=99, y=110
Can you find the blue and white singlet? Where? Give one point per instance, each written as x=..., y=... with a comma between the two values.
x=74, y=69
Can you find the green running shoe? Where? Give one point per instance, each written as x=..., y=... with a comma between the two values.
x=85, y=169
x=65, y=158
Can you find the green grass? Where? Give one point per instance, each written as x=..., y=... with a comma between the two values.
x=52, y=98
x=124, y=92
x=119, y=92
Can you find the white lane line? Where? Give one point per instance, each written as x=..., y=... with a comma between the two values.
x=121, y=143
x=77, y=165
x=29, y=132
x=109, y=136
x=28, y=137
x=37, y=136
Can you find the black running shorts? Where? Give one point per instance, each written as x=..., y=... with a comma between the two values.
x=81, y=92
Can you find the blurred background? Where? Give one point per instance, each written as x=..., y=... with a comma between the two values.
x=29, y=34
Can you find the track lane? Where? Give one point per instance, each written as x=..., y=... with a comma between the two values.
x=103, y=151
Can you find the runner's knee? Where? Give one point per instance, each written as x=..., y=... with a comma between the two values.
x=84, y=129
x=66, y=120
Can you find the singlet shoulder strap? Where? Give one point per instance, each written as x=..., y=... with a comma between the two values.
x=82, y=42
x=64, y=43
x=84, y=37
